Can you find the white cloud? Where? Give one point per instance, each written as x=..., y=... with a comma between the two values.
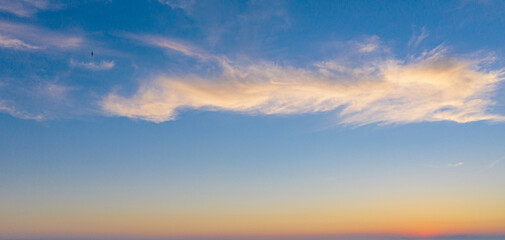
x=94, y=66
x=6, y=42
x=185, y=5
x=458, y=164
x=4, y=107
x=244, y=22
x=433, y=87
x=40, y=101
x=172, y=45
x=54, y=91
x=24, y=36
x=415, y=40
x=369, y=45
x=496, y=162
x=26, y=8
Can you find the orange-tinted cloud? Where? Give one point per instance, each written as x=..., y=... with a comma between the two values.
x=432, y=87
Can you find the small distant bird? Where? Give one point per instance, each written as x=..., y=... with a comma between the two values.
x=92, y=54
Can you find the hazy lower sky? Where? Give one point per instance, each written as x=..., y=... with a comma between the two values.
x=252, y=119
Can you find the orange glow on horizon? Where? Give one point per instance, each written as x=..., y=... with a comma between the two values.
x=159, y=228
x=407, y=216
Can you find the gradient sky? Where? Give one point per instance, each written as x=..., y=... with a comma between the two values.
x=253, y=119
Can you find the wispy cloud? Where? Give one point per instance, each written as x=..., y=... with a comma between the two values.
x=94, y=66
x=37, y=101
x=24, y=36
x=416, y=39
x=369, y=45
x=171, y=45
x=54, y=91
x=458, y=164
x=448, y=165
x=185, y=5
x=245, y=22
x=26, y=8
x=432, y=87
x=6, y=42
x=4, y=107
x=496, y=162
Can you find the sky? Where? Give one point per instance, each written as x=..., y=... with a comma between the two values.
x=166, y=119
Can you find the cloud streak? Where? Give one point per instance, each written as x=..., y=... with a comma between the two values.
x=496, y=162
x=182, y=4
x=26, y=8
x=369, y=45
x=432, y=87
x=458, y=164
x=4, y=107
x=417, y=39
x=94, y=66
x=6, y=42
x=171, y=45
x=23, y=36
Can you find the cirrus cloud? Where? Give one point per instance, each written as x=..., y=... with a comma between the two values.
x=432, y=87
x=24, y=36
x=6, y=42
x=27, y=8
x=94, y=66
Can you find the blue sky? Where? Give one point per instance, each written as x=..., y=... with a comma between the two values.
x=213, y=111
